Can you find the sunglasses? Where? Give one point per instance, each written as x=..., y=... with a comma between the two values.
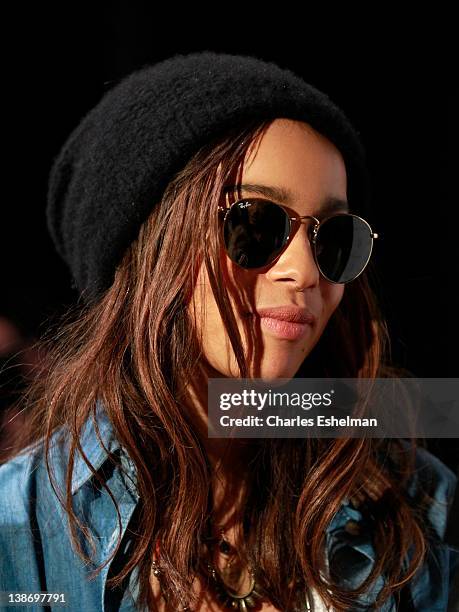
x=256, y=231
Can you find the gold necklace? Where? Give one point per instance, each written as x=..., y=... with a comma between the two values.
x=227, y=584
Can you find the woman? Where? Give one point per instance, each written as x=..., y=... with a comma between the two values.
x=170, y=204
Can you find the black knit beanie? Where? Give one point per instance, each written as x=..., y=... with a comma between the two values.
x=120, y=158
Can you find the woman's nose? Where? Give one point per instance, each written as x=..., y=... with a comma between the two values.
x=297, y=261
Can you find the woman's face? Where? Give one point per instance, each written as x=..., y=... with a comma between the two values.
x=296, y=158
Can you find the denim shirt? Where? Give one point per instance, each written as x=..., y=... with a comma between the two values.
x=36, y=555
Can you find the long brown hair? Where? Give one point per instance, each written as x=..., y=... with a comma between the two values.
x=135, y=347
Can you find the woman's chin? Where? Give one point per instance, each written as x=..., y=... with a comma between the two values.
x=276, y=376
x=274, y=368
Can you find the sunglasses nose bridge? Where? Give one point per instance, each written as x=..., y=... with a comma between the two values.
x=312, y=225
x=308, y=217
x=311, y=229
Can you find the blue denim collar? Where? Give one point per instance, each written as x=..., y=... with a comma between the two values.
x=97, y=456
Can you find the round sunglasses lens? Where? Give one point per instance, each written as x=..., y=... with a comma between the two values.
x=255, y=232
x=343, y=247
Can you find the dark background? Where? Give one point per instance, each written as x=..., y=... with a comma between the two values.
x=394, y=79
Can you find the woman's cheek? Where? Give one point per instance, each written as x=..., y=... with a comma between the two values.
x=333, y=298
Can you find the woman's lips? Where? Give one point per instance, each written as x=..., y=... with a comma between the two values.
x=288, y=312
x=285, y=329
x=289, y=321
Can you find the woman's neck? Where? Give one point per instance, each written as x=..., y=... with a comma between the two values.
x=229, y=459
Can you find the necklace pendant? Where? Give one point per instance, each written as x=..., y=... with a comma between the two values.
x=233, y=576
x=230, y=598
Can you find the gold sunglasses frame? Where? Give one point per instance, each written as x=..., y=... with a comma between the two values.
x=315, y=230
